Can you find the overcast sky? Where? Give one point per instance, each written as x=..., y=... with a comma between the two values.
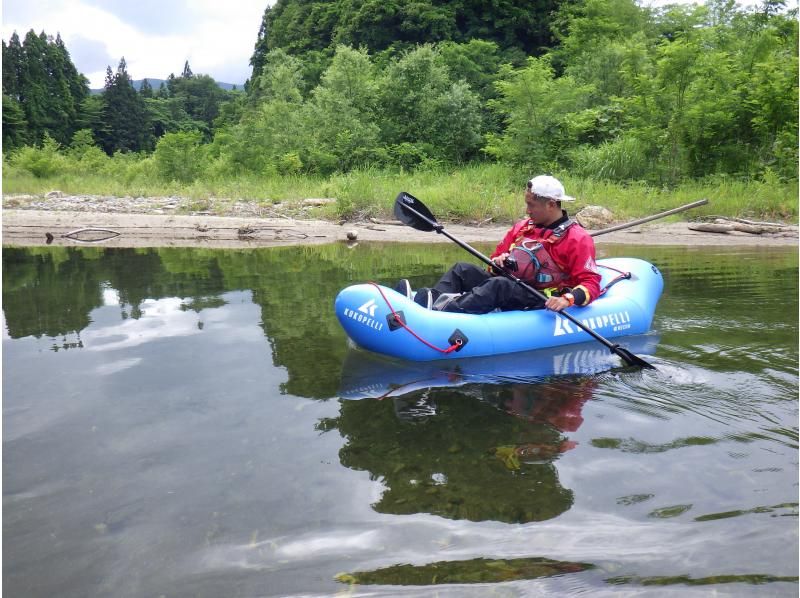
x=156, y=37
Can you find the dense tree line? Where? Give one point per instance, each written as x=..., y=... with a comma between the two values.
x=625, y=93
x=44, y=96
x=314, y=28
x=608, y=89
x=42, y=90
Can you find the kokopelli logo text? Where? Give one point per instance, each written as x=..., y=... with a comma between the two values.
x=618, y=321
x=365, y=315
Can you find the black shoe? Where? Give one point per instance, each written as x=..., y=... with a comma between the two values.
x=424, y=297
x=443, y=300
x=404, y=288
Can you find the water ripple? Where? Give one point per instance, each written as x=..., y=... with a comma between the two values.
x=743, y=406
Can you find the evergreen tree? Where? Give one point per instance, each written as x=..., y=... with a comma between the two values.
x=171, y=83
x=125, y=117
x=78, y=83
x=187, y=71
x=15, y=124
x=33, y=92
x=62, y=106
x=91, y=116
x=146, y=90
x=39, y=76
x=200, y=98
x=12, y=66
x=15, y=127
x=260, y=51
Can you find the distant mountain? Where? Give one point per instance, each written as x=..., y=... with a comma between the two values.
x=156, y=83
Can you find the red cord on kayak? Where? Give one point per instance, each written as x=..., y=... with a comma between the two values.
x=622, y=275
x=402, y=324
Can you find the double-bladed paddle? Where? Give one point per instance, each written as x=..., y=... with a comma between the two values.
x=412, y=212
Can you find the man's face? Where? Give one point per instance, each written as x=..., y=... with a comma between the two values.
x=539, y=210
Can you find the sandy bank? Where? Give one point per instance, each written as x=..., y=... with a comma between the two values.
x=30, y=227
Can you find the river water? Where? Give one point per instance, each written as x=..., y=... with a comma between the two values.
x=189, y=422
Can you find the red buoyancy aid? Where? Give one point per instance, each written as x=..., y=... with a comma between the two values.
x=534, y=264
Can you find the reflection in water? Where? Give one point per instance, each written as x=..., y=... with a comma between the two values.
x=688, y=580
x=558, y=403
x=790, y=507
x=368, y=375
x=458, y=572
x=158, y=437
x=157, y=318
x=438, y=450
x=632, y=445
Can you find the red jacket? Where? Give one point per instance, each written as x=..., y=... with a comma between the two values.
x=574, y=254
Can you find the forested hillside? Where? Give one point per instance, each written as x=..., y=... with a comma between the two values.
x=313, y=28
x=606, y=89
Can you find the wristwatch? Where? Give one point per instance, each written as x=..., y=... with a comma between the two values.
x=569, y=297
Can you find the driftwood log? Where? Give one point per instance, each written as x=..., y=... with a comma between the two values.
x=728, y=225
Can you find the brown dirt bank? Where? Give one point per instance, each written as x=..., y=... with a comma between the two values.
x=30, y=227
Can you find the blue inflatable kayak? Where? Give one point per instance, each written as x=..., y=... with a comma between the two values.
x=379, y=319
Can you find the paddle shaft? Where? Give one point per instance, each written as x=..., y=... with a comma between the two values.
x=617, y=227
x=626, y=355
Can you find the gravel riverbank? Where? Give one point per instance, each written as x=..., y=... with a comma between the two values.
x=32, y=220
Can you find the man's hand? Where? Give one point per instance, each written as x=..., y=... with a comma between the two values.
x=559, y=303
x=498, y=262
x=500, y=259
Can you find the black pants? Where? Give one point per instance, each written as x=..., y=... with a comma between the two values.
x=483, y=292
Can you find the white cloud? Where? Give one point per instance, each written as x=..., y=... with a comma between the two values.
x=217, y=38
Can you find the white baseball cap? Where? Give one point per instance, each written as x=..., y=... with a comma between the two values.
x=549, y=187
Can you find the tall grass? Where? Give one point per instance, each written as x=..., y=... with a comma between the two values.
x=623, y=159
x=477, y=193
x=471, y=193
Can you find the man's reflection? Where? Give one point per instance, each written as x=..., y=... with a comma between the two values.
x=558, y=404
x=477, y=452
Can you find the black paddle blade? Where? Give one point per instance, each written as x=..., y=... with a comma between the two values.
x=631, y=359
x=412, y=212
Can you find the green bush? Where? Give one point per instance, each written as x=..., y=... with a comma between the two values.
x=410, y=155
x=86, y=156
x=42, y=162
x=289, y=163
x=179, y=156
x=94, y=161
x=140, y=171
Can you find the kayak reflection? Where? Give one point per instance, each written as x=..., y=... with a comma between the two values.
x=465, y=443
x=369, y=375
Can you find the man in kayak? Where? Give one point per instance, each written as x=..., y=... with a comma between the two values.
x=547, y=250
